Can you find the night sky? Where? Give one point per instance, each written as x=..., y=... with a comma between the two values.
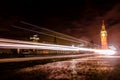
x=81, y=19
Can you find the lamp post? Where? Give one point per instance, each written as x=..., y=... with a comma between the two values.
x=35, y=38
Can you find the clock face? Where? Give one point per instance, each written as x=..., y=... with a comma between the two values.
x=103, y=34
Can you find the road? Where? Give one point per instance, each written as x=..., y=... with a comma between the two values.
x=86, y=68
x=44, y=57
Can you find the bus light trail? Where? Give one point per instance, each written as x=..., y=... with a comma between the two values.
x=106, y=52
x=15, y=44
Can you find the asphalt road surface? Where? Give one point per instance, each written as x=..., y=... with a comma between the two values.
x=89, y=68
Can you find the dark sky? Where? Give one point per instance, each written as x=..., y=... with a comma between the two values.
x=71, y=10
x=81, y=19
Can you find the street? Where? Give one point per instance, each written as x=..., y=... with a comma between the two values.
x=89, y=68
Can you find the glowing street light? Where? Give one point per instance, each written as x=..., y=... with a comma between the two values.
x=35, y=38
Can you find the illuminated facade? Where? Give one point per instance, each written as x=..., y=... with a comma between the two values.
x=103, y=33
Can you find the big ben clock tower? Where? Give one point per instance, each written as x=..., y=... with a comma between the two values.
x=104, y=44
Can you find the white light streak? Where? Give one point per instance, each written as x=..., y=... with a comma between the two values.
x=106, y=52
x=15, y=44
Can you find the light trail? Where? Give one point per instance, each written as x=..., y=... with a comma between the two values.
x=106, y=52
x=25, y=46
x=15, y=44
x=85, y=56
x=47, y=34
x=39, y=27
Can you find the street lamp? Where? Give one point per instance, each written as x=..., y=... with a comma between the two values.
x=35, y=38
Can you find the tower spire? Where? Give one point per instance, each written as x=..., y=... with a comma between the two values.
x=103, y=25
